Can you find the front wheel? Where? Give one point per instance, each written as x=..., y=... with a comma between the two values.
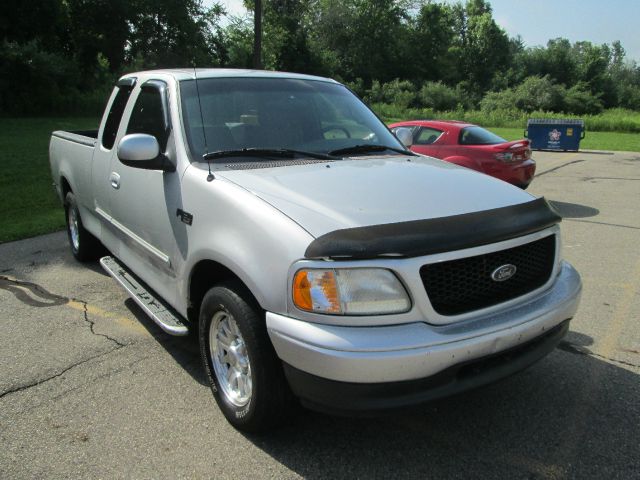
x=244, y=372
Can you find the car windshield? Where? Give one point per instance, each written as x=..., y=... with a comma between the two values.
x=479, y=136
x=278, y=113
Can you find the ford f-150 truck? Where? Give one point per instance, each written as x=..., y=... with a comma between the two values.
x=312, y=254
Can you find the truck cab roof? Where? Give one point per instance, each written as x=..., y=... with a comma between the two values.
x=190, y=73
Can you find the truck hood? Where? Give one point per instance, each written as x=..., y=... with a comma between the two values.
x=328, y=196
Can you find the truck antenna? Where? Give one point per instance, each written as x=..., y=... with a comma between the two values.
x=210, y=177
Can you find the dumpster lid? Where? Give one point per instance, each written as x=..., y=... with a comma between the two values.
x=555, y=121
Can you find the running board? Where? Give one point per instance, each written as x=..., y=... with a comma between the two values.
x=161, y=313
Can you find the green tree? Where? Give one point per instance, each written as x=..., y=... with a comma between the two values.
x=431, y=38
x=175, y=33
x=481, y=46
x=361, y=38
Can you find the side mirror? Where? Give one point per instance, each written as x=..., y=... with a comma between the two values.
x=139, y=150
x=405, y=135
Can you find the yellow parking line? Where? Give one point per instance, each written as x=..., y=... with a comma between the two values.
x=126, y=322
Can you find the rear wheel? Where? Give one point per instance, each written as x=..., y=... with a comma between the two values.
x=84, y=246
x=245, y=375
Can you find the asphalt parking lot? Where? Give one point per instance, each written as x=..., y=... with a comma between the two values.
x=91, y=388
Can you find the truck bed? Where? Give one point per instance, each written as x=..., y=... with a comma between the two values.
x=84, y=137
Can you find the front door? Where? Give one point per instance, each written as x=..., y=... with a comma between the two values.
x=144, y=202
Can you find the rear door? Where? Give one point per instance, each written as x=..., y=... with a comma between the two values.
x=103, y=155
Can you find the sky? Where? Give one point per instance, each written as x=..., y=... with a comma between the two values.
x=537, y=21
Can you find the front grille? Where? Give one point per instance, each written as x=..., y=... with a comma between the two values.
x=463, y=285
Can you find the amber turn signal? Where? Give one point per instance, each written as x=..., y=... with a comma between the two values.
x=316, y=290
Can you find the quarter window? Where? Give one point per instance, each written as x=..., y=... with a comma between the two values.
x=115, y=116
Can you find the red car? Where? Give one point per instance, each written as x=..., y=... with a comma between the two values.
x=473, y=147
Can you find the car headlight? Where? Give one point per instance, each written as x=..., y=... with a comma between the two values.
x=349, y=291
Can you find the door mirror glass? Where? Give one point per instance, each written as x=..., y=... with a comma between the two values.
x=138, y=147
x=405, y=135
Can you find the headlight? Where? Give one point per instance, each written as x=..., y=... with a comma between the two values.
x=349, y=291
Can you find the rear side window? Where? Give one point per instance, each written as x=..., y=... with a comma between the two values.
x=426, y=136
x=115, y=116
x=148, y=116
x=479, y=136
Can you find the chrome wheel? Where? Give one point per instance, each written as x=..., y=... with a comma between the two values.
x=73, y=227
x=230, y=359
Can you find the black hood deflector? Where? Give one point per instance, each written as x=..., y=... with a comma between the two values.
x=425, y=237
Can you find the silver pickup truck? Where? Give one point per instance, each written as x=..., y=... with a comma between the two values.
x=314, y=257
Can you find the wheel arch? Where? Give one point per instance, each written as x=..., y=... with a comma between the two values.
x=65, y=187
x=204, y=275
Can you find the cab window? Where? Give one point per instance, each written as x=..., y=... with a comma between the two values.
x=147, y=116
x=426, y=136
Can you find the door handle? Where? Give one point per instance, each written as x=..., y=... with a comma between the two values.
x=114, y=178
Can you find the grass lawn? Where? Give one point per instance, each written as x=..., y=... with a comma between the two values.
x=628, y=142
x=28, y=204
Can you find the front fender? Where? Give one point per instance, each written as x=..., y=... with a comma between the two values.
x=245, y=234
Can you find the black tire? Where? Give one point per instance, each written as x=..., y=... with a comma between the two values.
x=86, y=247
x=270, y=401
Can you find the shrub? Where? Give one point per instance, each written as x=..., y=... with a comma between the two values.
x=397, y=92
x=439, y=96
x=534, y=93
x=357, y=86
x=629, y=96
x=579, y=100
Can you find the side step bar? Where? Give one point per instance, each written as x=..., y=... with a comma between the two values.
x=160, y=312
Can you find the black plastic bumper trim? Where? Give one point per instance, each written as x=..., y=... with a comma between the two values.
x=348, y=398
x=424, y=237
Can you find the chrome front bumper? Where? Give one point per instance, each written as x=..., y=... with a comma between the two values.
x=419, y=350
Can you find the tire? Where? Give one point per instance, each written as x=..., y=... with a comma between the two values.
x=84, y=246
x=257, y=397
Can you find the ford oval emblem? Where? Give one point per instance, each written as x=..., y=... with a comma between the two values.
x=504, y=272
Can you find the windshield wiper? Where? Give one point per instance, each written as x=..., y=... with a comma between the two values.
x=369, y=148
x=266, y=152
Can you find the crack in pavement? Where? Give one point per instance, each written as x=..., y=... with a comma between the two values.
x=22, y=388
x=601, y=223
x=92, y=324
x=84, y=384
x=558, y=167
x=19, y=289
x=578, y=350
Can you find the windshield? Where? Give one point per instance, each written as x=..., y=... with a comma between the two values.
x=479, y=136
x=270, y=113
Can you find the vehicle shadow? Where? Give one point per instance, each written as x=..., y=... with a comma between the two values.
x=573, y=210
x=184, y=350
x=572, y=415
